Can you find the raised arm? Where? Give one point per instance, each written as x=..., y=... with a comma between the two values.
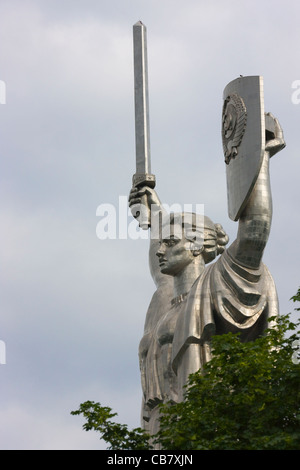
x=148, y=196
x=255, y=220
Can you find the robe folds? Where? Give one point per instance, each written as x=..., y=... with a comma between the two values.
x=226, y=297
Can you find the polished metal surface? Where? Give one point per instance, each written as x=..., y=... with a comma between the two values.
x=142, y=125
x=195, y=297
x=243, y=136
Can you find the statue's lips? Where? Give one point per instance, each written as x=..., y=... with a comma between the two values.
x=162, y=261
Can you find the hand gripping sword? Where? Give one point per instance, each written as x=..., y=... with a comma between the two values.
x=143, y=176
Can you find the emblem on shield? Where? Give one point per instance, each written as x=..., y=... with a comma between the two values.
x=234, y=120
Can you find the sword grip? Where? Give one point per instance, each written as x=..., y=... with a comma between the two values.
x=143, y=212
x=144, y=216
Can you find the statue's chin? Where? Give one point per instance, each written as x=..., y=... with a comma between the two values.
x=164, y=269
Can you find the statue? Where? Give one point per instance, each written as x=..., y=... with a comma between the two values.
x=197, y=298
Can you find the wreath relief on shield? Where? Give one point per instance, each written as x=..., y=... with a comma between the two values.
x=234, y=118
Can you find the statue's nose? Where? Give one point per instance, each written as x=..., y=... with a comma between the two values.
x=161, y=250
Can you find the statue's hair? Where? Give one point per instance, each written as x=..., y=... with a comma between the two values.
x=215, y=240
x=202, y=233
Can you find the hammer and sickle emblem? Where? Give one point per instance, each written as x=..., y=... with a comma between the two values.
x=234, y=119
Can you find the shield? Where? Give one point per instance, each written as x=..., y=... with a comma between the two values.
x=243, y=138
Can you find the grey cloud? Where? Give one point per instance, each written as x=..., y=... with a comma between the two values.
x=73, y=306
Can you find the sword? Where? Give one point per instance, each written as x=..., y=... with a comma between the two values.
x=143, y=176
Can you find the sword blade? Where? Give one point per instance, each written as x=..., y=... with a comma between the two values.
x=142, y=127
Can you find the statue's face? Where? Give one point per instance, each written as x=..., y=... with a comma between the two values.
x=174, y=255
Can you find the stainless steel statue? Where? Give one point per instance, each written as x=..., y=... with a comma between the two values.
x=196, y=298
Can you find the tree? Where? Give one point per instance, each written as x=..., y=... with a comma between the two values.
x=98, y=418
x=246, y=398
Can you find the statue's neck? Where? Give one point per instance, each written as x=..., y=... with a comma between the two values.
x=184, y=280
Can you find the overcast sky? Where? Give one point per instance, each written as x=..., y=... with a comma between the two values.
x=72, y=305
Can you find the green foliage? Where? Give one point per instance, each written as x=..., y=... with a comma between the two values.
x=117, y=435
x=296, y=298
x=246, y=398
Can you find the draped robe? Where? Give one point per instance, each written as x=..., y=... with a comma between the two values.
x=226, y=297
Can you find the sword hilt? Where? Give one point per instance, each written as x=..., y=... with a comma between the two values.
x=143, y=215
x=140, y=179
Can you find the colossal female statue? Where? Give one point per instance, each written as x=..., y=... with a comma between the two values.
x=236, y=293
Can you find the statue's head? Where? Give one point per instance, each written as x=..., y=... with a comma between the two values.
x=187, y=238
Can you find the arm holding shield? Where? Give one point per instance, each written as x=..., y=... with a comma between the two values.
x=250, y=137
x=255, y=220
